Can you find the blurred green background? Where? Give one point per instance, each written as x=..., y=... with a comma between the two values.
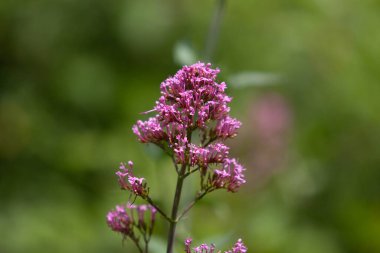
x=304, y=74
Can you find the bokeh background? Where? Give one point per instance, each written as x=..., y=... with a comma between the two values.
x=304, y=74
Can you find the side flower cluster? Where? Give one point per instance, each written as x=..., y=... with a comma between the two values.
x=227, y=127
x=230, y=176
x=149, y=131
x=239, y=247
x=128, y=181
x=193, y=101
x=127, y=217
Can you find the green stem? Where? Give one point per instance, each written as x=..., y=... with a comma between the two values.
x=136, y=241
x=177, y=198
x=146, y=244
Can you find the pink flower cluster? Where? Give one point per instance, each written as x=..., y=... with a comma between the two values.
x=192, y=97
x=120, y=221
x=191, y=100
x=239, y=247
x=128, y=181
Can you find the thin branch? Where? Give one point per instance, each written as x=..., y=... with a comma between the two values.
x=163, y=148
x=191, y=172
x=150, y=201
x=175, y=164
x=210, y=141
x=192, y=203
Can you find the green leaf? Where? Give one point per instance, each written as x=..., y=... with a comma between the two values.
x=253, y=79
x=184, y=54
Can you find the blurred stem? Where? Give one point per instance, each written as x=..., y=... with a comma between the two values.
x=213, y=32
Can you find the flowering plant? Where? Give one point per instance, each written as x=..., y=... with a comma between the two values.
x=192, y=102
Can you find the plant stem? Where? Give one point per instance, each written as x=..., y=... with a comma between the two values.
x=213, y=32
x=177, y=198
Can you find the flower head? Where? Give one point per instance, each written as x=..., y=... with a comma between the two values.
x=119, y=221
x=193, y=99
x=192, y=96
